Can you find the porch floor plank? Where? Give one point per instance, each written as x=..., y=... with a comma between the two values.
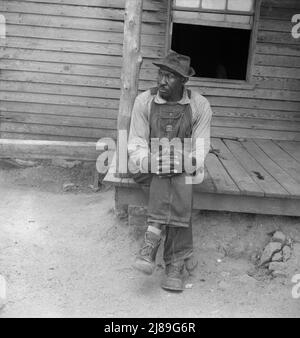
x=292, y=148
x=220, y=177
x=239, y=175
x=292, y=186
x=266, y=182
x=282, y=158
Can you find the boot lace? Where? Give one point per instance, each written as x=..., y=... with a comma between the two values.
x=147, y=249
x=173, y=270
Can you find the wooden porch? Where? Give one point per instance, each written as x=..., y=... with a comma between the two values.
x=247, y=175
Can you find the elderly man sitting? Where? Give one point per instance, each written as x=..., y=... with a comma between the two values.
x=169, y=112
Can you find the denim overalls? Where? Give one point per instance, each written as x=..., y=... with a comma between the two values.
x=170, y=198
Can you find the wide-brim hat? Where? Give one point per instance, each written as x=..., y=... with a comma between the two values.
x=177, y=63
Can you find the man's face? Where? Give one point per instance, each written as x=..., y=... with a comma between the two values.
x=169, y=84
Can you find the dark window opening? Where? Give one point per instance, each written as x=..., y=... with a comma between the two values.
x=216, y=52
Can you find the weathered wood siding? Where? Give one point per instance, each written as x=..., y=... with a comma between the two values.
x=60, y=71
x=61, y=66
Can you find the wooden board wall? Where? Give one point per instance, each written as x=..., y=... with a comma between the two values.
x=61, y=66
x=60, y=71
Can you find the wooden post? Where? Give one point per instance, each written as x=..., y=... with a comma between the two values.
x=132, y=61
x=253, y=40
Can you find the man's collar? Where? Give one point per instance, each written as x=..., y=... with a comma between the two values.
x=185, y=98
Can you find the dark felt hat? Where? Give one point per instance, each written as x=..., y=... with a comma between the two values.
x=178, y=63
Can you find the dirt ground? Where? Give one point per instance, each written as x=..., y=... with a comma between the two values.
x=66, y=254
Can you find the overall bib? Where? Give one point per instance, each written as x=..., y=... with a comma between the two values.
x=170, y=198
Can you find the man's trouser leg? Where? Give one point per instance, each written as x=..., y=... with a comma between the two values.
x=178, y=244
x=170, y=201
x=178, y=249
x=170, y=204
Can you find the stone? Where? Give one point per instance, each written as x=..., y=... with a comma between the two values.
x=68, y=186
x=269, y=251
x=290, y=267
x=279, y=237
x=278, y=273
x=93, y=188
x=189, y=286
x=60, y=162
x=277, y=266
x=25, y=163
x=286, y=253
x=277, y=257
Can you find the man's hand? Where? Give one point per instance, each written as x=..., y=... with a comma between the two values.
x=186, y=161
x=168, y=163
x=161, y=164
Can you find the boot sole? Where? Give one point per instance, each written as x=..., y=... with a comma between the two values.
x=144, y=267
x=171, y=287
x=168, y=288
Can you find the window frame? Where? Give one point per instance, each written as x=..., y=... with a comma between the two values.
x=228, y=83
x=217, y=11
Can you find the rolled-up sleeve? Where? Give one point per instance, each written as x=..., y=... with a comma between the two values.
x=139, y=131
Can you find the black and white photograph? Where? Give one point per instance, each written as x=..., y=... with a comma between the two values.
x=150, y=161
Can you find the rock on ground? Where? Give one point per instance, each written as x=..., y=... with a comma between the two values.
x=68, y=186
x=59, y=162
x=269, y=251
x=277, y=257
x=291, y=267
x=286, y=253
x=279, y=237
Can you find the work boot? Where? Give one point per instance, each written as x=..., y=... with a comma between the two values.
x=145, y=260
x=173, y=279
